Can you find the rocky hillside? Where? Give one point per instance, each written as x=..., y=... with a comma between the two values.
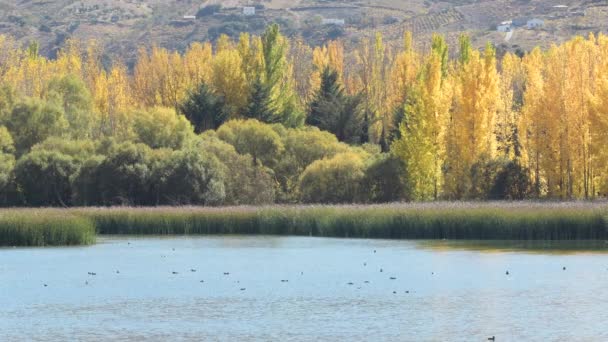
x=122, y=25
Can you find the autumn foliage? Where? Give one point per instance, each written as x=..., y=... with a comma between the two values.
x=478, y=125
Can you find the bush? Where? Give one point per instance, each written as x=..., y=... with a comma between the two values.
x=333, y=180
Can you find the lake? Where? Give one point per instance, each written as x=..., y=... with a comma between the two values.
x=302, y=289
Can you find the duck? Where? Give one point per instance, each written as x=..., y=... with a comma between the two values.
x=243, y=289
x=507, y=273
x=564, y=268
x=350, y=284
x=192, y=270
x=174, y=272
x=393, y=278
x=493, y=338
x=226, y=273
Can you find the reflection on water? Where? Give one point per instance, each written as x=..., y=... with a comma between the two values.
x=530, y=246
x=303, y=289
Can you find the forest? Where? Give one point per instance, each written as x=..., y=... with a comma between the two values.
x=267, y=119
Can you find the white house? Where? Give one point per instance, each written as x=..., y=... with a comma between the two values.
x=339, y=22
x=189, y=17
x=503, y=28
x=248, y=11
x=535, y=23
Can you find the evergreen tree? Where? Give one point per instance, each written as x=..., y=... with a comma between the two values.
x=331, y=110
x=260, y=104
x=204, y=109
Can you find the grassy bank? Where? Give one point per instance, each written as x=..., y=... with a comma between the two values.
x=44, y=227
x=474, y=221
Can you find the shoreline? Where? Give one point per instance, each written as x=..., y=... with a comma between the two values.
x=431, y=221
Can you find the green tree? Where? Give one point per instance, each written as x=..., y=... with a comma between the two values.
x=85, y=186
x=278, y=78
x=191, y=177
x=7, y=145
x=303, y=146
x=124, y=176
x=384, y=181
x=32, y=121
x=204, y=109
x=162, y=128
x=7, y=101
x=331, y=110
x=44, y=178
x=260, y=105
x=71, y=94
x=7, y=164
x=252, y=137
x=333, y=180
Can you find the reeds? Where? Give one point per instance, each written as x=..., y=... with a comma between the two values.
x=470, y=221
x=44, y=227
x=479, y=221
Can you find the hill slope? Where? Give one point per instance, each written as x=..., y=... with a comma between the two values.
x=124, y=24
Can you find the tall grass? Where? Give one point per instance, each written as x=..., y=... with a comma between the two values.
x=480, y=221
x=471, y=221
x=44, y=227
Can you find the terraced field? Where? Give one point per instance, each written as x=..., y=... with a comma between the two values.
x=124, y=24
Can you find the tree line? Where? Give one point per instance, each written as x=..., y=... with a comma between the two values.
x=269, y=119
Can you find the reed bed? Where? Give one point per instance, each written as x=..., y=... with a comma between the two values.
x=44, y=227
x=478, y=221
x=470, y=221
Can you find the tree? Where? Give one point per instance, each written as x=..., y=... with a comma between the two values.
x=252, y=137
x=7, y=162
x=331, y=110
x=7, y=145
x=303, y=146
x=7, y=101
x=471, y=134
x=333, y=180
x=511, y=183
x=32, y=121
x=421, y=142
x=204, y=109
x=245, y=183
x=260, y=105
x=384, y=179
x=229, y=81
x=278, y=77
x=55, y=169
x=204, y=173
x=71, y=94
x=162, y=128
x=123, y=177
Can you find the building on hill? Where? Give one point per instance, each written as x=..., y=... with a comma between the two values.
x=505, y=26
x=248, y=11
x=535, y=23
x=338, y=22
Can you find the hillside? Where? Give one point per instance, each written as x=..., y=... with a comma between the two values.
x=124, y=24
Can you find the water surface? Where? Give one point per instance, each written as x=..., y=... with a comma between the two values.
x=299, y=289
